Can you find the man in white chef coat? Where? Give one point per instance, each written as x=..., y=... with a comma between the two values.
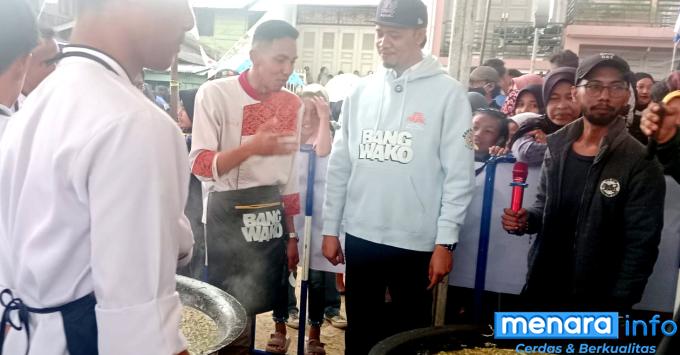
x=93, y=185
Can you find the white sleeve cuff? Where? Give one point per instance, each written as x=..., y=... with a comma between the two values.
x=447, y=235
x=215, y=173
x=331, y=227
x=150, y=328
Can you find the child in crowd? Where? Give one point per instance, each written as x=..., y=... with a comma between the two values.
x=324, y=299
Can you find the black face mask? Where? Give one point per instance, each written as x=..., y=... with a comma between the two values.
x=480, y=91
x=496, y=91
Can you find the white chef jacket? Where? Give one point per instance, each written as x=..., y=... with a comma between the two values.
x=5, y=111
x=5, y=114
x=93, y=185
x=17, y=105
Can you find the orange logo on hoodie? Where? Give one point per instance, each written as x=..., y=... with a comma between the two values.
x=417, y=117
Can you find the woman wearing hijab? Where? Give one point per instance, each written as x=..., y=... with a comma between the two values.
x=530, y=99
x=519, y=83
x=529, y=144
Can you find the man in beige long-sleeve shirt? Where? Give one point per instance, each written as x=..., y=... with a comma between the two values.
x=246, y=130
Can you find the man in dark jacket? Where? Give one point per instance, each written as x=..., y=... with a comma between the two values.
x=599, y=209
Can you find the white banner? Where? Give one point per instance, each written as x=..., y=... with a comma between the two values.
x=507, y=257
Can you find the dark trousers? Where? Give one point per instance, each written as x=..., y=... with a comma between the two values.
x=194, y=212
x=324, y=298
x=371, y=270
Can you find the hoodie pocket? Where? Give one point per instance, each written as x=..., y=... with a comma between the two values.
x=384, y=199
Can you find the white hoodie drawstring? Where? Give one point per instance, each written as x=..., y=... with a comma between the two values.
x=403, y=93
x=380, y=102
x=403, y=103
x=401, y=108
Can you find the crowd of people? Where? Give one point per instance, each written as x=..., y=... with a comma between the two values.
x=103, y=200
x=325, y=75
x=549, y=100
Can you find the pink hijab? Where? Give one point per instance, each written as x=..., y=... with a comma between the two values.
x=527, y=79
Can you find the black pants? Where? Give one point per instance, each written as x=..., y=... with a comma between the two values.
x=194, y=212
x=324, y=298
x=371, y=269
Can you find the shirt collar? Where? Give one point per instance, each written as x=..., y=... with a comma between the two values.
x=113, y=63
x=5, y=111
x=20, y=102
x=249, y=89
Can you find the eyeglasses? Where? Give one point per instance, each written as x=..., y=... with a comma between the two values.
x=596, y=89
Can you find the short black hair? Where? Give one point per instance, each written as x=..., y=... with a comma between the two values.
x=497, y=64
x=501, y=120
x=659, y=90
x=639, y=76
x=663, y=87
x=18, y=31
x=188, y=98
x=565, y=58
x=271, y=30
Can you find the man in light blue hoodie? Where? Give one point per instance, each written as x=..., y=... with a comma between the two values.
x=400, y=179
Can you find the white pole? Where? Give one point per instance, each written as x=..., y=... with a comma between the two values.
x=675, y=47
x=676, y=33
x=460, y=47
x=534, y=50
x=431, y=14
x=306, y=247
x=485, y=29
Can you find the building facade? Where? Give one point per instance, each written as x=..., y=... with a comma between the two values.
x=340, y=39
x=641, y=31
x=510, y=33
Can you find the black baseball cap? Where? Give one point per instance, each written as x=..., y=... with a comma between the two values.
x=401, y=13
x=602, y=59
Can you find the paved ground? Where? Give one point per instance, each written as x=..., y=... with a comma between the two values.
x=333, y=338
